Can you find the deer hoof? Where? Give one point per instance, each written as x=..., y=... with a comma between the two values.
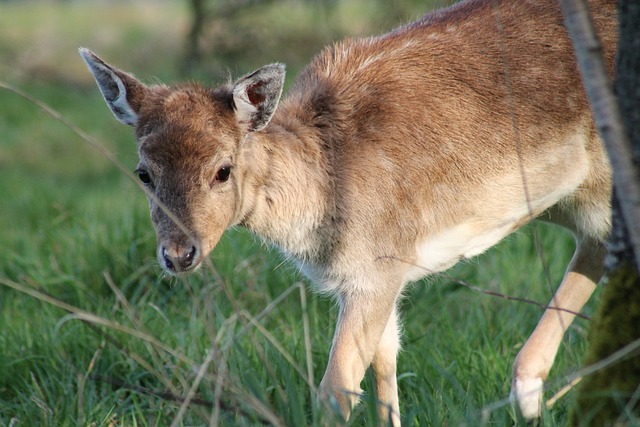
x=527, y=392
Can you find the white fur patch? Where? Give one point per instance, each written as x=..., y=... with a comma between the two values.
x=120, y=106
x=447, y=248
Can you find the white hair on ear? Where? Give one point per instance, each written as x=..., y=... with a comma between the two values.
x=245, y=110
x=111, y=86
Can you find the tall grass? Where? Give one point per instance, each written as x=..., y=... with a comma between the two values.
x=93, y=333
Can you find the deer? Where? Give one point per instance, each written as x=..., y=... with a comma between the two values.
x=390, y=158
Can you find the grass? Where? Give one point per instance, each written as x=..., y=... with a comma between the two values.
x=92, y=333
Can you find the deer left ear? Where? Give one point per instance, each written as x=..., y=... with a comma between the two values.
x=122, y=92
x=256, y=96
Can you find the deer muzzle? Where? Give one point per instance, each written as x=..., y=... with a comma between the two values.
x=179, y=258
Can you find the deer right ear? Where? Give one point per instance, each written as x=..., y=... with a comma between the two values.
x=256, y=96
x=122, y=92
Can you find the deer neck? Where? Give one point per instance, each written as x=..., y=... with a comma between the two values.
x=287, y=191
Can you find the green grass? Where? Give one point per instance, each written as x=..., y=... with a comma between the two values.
x=74, y=229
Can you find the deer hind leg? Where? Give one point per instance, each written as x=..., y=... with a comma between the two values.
x=534, y=361
x=362, y=332
x=588, y=215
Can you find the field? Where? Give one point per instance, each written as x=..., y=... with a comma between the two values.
x=92, y=332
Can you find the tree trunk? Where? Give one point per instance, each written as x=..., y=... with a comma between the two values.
x=611, y=396
x=193, y=51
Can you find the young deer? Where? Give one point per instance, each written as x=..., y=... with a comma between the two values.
x=420, y=147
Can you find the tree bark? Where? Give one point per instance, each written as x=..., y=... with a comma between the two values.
x=606, y=110
x=611, y=396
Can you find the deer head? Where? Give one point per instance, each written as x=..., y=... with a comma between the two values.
x=191, y=141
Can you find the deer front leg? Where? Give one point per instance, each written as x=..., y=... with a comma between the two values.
x=534, y=361
x=362, y=321
x=384, y=369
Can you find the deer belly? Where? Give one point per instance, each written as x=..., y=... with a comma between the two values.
x=445, y=249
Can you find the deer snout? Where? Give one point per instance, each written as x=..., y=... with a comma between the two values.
x=179, y=258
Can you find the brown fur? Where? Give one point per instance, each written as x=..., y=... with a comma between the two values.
x=424, y=145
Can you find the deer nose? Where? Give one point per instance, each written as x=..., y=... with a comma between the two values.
x=179, y=259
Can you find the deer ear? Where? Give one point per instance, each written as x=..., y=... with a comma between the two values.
x=122, y=92
x=256, y=96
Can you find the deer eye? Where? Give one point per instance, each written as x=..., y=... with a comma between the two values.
x=144, y=176
x=223, y=174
